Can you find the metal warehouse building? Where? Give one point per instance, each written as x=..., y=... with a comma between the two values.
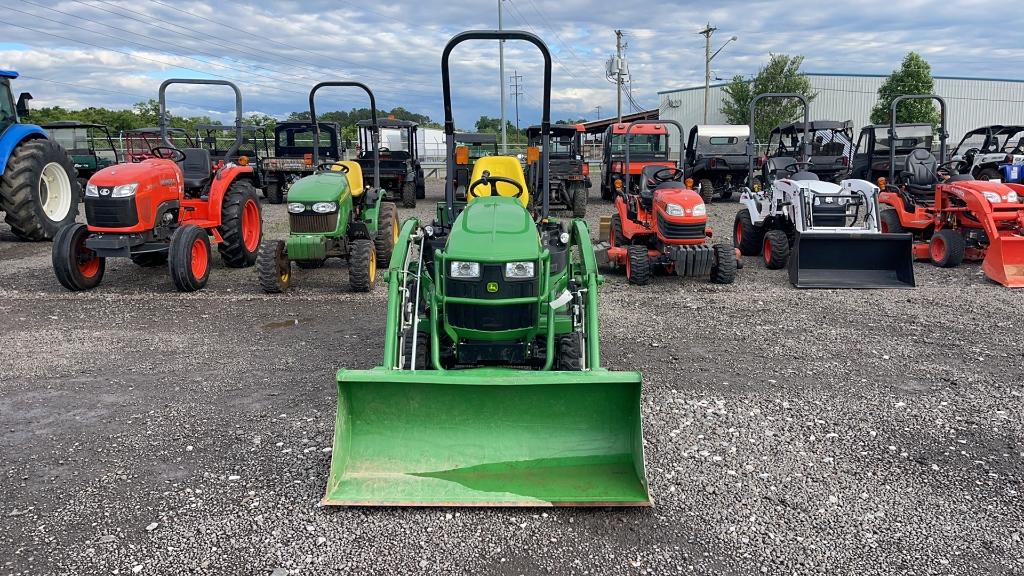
x=972, y=102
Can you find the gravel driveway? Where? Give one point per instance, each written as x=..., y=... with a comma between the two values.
x=787, y=432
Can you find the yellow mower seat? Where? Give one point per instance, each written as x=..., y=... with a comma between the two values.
x=355, y=176
x=505, y=167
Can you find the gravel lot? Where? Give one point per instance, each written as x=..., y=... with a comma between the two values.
x=787, y=432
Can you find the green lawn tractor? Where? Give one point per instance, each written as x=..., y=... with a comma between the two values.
x=332, y=214
x=491, y=391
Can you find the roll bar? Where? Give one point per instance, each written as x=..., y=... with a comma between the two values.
x=943, y=135
x=238, y=110
x=449, y=118
x=374, y=127
x=682, y=141
x=805, y=144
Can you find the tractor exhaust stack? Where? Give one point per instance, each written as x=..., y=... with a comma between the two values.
x=851, y=260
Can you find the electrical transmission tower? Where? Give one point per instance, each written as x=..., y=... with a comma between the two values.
x=515, y=86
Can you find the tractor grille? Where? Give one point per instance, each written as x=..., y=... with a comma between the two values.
x=311, y=222
x=671, y=231
x=106, y=212
x=492, y=318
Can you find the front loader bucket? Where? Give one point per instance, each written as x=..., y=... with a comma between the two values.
x=487, y=437
x=1004, y=261
x=852, y=260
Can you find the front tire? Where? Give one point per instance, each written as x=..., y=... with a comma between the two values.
x=241, y=225
x=274, y=267
x=724, y=270
x=776, y=249
x=362, y=271
x=39, y=191
x=387, y=232
x=946, y=248
x=569, y=352
x=273, y=193
x=189, y=258
x=76, y=267
x=707, y=190
x=746, y=235
x=638, y=265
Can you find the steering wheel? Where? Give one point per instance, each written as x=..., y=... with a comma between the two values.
x=493, y=181
x=172, y=153
x=674, y=175
x=330, y=167
x=947, y=169
x=383, y=149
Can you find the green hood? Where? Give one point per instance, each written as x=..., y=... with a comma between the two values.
x=322, y=187
x=493, y=228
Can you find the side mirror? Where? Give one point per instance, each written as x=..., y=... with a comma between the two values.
x=23, y=104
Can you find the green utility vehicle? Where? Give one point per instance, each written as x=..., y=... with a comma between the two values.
x=332, y=214
x=491, y=392
x=90, y=146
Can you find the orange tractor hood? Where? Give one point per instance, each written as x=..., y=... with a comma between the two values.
x=147, y=174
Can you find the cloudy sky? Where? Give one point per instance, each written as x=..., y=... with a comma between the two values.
x=112, y=53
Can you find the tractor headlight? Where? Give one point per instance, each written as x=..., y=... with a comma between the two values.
x=674, y=210
x=519, y=270
x=324, y=207
x=700, y=209
x=993, y=197
x=1012, y=198
x=465, y=269
x=92, y=190
x=124, y=190
x=296, y=207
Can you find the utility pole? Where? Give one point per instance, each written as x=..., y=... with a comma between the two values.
x=708, y=57
x=618, y=71
x=515, y=86
x=501, y=81
x=598, y=108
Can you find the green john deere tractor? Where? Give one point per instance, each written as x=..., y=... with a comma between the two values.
x=491, y=391
x=332, y=214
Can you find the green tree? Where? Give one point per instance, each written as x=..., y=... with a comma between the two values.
x=571, y=121
x=913, y=77
x=780, y=74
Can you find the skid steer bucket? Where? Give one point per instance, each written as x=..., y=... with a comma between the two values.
x=1004, y=261
x=851, y=260
x=487, y=437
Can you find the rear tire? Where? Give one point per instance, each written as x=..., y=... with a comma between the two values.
x=387, y=232
x=615, y=235
x=274, y=267
x=569, y=352
x=189, y=258
x=638, y=265
x=150, y=259
x=707, y=190
x=889, y=222
x=579, y=201
x=724, y=270
x=775, y=249
x=241, y=225
x=273, y=193
x=745, y=235
x=39, y=191
x=409, y=194
x=76, y=267
x=422, y=344
x=362, y=271
x=946, y=248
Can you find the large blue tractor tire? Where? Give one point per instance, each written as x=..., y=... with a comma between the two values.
x=39, y=193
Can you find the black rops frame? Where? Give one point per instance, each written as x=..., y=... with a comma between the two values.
x=943, y=135
x=449, y=119
x=805, y=144
x=374, y=127
x=233, y=151
x=682, y=147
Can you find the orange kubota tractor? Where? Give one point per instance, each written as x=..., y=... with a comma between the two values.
x=953, y=217
x=661, y=224
x=163, y=210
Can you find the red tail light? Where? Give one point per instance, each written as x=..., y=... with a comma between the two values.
x=846, y=161
x=758, y=162
x=586, y=169
x=713, y=163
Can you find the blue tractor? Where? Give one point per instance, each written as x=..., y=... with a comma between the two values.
x=38, y=190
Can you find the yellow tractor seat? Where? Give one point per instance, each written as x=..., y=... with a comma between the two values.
x=355, y=176
x=502, y=166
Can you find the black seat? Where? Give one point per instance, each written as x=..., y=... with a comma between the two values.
x=919, y=173
x=196, y=168
x=648, y=184
x=804, y=175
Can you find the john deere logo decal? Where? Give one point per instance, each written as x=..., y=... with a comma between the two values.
x=492, y=287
